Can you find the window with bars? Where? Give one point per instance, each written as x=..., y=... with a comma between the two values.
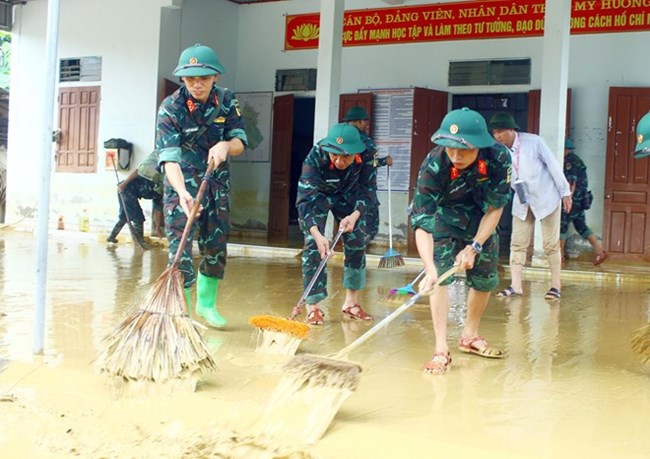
x=80, y=69
x=493, y=72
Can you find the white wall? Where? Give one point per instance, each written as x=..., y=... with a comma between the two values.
x=597, y=63
x=126, y=35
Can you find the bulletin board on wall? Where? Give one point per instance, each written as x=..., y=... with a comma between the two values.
x=256, y=108
x=392, y=122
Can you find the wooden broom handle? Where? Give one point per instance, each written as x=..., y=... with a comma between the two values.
x=194, y=211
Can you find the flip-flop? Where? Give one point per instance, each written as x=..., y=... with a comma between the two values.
x=507, y=293
x=553, y=294
x=602, y=256
x=469, y=346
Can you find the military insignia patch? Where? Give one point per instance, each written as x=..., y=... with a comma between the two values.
x=194, y=60
x=639, y=138
x=453, y=128
x=339, y=140
x=220, y=119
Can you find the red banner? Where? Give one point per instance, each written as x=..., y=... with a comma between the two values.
x=467, y=20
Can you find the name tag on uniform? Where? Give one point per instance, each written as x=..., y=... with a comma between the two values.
x=190, y=130
x=332, y=180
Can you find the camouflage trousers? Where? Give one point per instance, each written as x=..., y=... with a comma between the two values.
x=138, y=188
x=211, y=228
x=354, y=249
x=372, y=222
x=484, y=276
x=579, y=221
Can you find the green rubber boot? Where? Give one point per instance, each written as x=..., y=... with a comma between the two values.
x=188, y=300
x=206, y=301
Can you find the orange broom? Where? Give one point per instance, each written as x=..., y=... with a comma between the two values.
x=283, y=336
x=159, y=342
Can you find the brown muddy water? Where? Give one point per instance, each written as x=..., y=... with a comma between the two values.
x=569, y=387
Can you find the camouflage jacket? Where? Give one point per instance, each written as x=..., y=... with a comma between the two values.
x=449, y=202
x=575, y=171
x=320, y=181
x=179, y=119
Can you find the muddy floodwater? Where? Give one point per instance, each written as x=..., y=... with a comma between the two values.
x=569, y=387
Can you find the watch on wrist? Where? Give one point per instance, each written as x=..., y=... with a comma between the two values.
x=476, y=247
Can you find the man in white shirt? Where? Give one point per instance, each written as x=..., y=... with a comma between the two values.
x=540, y=188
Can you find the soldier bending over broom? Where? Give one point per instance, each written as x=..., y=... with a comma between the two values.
x=462, y=187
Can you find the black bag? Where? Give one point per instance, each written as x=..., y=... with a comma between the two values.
x=587, y=199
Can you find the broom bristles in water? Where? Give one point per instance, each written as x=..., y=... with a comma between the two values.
x=159, y=341
x=641, y=343
x=277, y=335
x=323, y=371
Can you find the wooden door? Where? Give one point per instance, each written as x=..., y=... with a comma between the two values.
x=347, y=101
x=626, y=228
x=280, y=167
x=534, y=108
x=78, y=122
x=429, y=108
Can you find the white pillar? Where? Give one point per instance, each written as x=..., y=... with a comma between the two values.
x=555, y=74
x=328, y=84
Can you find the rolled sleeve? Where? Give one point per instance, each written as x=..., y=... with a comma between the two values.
x=171, y=155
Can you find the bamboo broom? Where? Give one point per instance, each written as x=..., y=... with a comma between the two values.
x=283, y=336
x=392, y=258
x=313, y=387
x=159, y=342
x=641, y=343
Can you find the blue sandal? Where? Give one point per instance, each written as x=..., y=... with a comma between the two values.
x=553, y=294
x=508, y=292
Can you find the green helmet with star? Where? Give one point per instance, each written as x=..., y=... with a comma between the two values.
x=642, y=148
x=463, y=128
x=343, y=139
x=197, y=61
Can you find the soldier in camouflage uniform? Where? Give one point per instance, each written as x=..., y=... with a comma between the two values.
x=358, y=117
x=337, y=176
x=575, y=172
x=198, y=123
x=135, y=187
x=462, y=187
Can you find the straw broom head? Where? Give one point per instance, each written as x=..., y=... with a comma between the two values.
x=290, y=327
x=641, y=343
x=159, y=341
x=322, y=371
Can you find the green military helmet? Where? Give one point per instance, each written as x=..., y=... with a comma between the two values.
x=356, y=113
x=343, y=139
x=568, y=144
x=463, y=128
x=643, y=137
x=197, y=61
x=502, y=120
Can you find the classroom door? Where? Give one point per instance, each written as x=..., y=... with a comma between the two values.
x=78, y=122
x=280, y=167
x=626, y=228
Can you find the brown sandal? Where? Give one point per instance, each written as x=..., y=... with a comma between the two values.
x=602, y=256
x=439, y=364
x=470, y=346
x=316, y=317
x=355, y=312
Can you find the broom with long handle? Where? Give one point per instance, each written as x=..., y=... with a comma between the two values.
x=160, y=341
x=283, y=336
x=315, y=387
x=392, y=258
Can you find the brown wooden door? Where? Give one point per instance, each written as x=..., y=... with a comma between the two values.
x=429, y=108
x=78, y=122
x=347, y=101
x=534, y=108
x=626, y=229
x=280, y=167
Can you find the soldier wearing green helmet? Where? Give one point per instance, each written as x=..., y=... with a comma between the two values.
x=199, y=123
x=462, y=187
x=337, y=176
x=358, y=117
